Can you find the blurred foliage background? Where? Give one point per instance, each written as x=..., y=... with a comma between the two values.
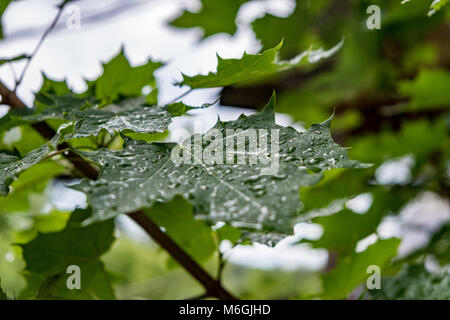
x=389, y=90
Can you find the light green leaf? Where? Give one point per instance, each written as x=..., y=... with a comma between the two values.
x=215, y=16
x=343, y=230
x=30, y=182
x=12, y=165
x=11, y=265
x=51, y=253
x=53, y=87
x=420, y=138
x=330, y=188
x=429, y=89
x=352, y=270
x=253, y=67
x=179, y=108
x=437, y=5
x=120, y=80
x=227, y=232
x=191, y=235
x=245, y=195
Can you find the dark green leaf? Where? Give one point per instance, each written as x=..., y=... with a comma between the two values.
x=253, y=67
x=244, y=195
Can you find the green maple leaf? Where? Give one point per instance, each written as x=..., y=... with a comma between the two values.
x=242, y=194
x=128, y=115
x=215, y=16
x=53, y=87
x=120, y=79
x=253, y=67
x=356, y=225
x=50, y=254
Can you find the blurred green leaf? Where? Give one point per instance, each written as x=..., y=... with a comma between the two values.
x=343, y=230
x=414, y=282
x=3, y=5
x=437, y=5
x=13, y=165
x=193, y=236
x=120, y=80
x=51, y=253
x=227, y=232
x=31, y=182
x=294, y=29
x=430, y=89
x=352, y=270
x=419, y=138
x=215, y=16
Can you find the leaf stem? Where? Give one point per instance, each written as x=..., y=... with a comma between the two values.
x=55, y=153
x=180, y=96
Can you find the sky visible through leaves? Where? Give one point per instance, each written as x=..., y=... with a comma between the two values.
x=363, y=118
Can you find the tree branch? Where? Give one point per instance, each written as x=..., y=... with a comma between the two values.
x=212, y=286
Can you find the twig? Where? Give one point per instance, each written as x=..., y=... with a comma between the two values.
x=212, y=286
x=41, y=41
x=180, y=96
x=55, y=153
x=13, y=72
x=221, y=266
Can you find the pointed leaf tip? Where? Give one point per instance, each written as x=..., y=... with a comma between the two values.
x=270, y=106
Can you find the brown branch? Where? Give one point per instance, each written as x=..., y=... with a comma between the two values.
x=212, y=286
